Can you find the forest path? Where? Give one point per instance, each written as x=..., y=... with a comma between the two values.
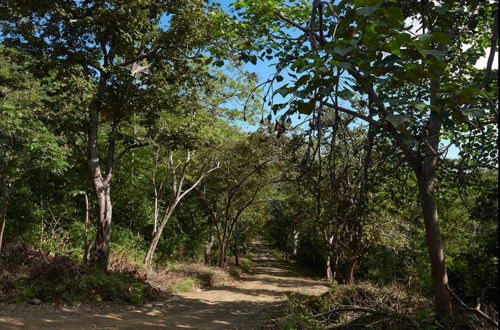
x=242, y=304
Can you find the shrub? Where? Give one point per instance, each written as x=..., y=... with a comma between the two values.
x=27, y=273
x=188, y=284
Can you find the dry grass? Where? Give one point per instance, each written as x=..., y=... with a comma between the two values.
x=175, y=278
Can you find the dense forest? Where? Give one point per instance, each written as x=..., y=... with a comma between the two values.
x=142, y=138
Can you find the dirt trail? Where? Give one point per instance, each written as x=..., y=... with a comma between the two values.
x=243, y=304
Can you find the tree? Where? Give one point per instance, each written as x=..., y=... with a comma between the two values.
x=178, y=192
x=418, y=86
x=26, y=142
x=114, y=51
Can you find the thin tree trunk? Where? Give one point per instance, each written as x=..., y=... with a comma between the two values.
x=155, y=228
x=5, y=205
x=208, y=247
x=328, y=268
x=351, y=267
x=148, y=261
x=336, y=275
x=439, y=275
x=236, y=256
x=295, y=242
x=86, y=230
x=222, y=255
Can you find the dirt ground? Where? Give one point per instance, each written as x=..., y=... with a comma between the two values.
x=242, y=304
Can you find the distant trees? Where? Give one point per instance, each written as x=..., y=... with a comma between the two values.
x=330, y=170
x=244, y=179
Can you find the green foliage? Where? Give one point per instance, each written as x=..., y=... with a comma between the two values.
x=188, y=284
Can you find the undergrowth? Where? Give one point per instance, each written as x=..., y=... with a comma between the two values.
x=26, y=273
x=244, y=266
x=367, y=306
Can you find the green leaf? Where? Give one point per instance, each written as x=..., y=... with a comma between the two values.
x=423, y=37
x=346, y=94
x=441, y=37
x=434, y=52
x=422, y=107
x=344, y=65
x=366, y=11
x=397, y=120
x=302, y=80
x=284, y=90
x=219, y=63
x=306, y=108
x=394, y=13
x=343, y=51
x=279, y=78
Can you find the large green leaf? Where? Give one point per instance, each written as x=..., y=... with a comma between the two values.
x=367, y=11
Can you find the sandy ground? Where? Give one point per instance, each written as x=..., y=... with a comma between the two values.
x=243, y=304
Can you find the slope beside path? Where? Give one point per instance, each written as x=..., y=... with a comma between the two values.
x=242, y=304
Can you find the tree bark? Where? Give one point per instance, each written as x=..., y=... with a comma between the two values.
x=295, y=243
x=5, y=205
x=222, y=255
x=86, y=228
x=208, y=247
x=328, y=268
x=439, y=275
x=156, y=237
x=100, y=251
x=351, y=267
x=236, y=256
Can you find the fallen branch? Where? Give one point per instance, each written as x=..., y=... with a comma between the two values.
x=350, y=309
x=476, y=309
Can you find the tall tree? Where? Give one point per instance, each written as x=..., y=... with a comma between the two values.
x=413, y=64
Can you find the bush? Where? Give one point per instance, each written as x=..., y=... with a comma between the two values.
x=185, y=285
x=27, y=273
x=246, y=264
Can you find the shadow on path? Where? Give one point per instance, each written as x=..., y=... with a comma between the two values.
x=243, y=304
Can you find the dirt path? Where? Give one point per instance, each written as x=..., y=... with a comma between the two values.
x=243, y=304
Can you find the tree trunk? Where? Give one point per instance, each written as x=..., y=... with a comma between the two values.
x=100, y=251
x=295, y=243
x=222, y=255
x=86, y=230
x=148, y=261
x=351, y=267
x=5, y=205
x=236, y=256
x=328, y=268
x=208, y=247
x=439, y=275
